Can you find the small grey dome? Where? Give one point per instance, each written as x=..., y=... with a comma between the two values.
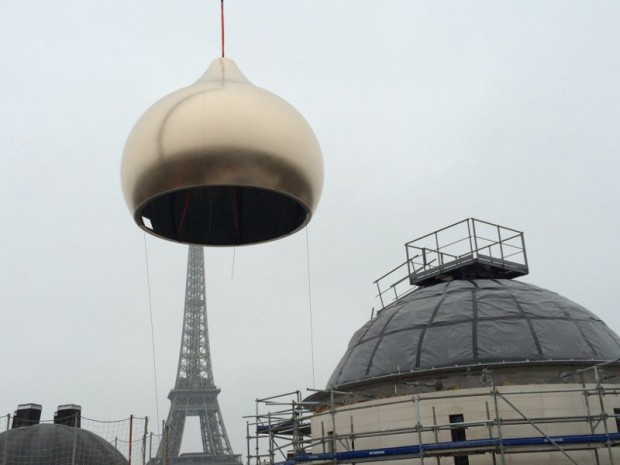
x=53, y=444
x=478, y=322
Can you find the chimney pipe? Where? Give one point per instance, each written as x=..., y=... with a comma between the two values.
x=68, y=415
x=26, y=415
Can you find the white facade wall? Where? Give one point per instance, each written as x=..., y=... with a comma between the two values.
x=390, y=422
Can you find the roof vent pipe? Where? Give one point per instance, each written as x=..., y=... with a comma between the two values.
x=26, y=415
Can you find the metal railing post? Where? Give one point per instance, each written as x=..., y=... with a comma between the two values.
x=332, y=411
x=296, y=435
x=490, y=428
x=418, y=426
x=501, y=245
x=471, y=246
x=257, y=449
x=409, y=267
x=130, y=438
x=604, y=416
x=498, y=421
x=523, y=249
x=146, y=427
x=248, y=438
x=473, y=226
x=435, y=431
x=271, y=441
x=352, y=434
x=586, y=398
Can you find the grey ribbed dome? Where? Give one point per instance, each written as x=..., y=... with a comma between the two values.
x=464, y=323
x=52, y=444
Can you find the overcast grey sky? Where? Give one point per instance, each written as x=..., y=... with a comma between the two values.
x=427, y=112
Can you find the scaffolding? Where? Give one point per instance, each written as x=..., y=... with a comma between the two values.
x=280, y=431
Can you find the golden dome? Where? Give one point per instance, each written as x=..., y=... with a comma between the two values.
x=222, y=162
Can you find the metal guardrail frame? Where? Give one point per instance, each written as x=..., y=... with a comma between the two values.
x=425, y=260
x=477, y=246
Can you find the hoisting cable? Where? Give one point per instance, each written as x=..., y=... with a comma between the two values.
x=310, y=307
x=148, y=282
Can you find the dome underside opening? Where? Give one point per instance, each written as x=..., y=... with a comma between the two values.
x=479, y=322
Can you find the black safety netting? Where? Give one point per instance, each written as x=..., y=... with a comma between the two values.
x=477, y=322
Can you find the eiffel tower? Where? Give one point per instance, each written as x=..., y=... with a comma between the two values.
x=195, y=393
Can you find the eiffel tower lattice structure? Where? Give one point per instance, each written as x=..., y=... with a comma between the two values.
x=195, y=393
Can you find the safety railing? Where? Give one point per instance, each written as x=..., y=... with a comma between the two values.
x=468, y=249
x=464, y=243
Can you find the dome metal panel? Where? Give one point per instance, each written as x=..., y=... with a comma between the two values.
x=478, y=322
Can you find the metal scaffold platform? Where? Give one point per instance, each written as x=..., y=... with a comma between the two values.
x=468, y=249
x=287, y=429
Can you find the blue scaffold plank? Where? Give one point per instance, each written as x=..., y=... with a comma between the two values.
x=417, y=450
